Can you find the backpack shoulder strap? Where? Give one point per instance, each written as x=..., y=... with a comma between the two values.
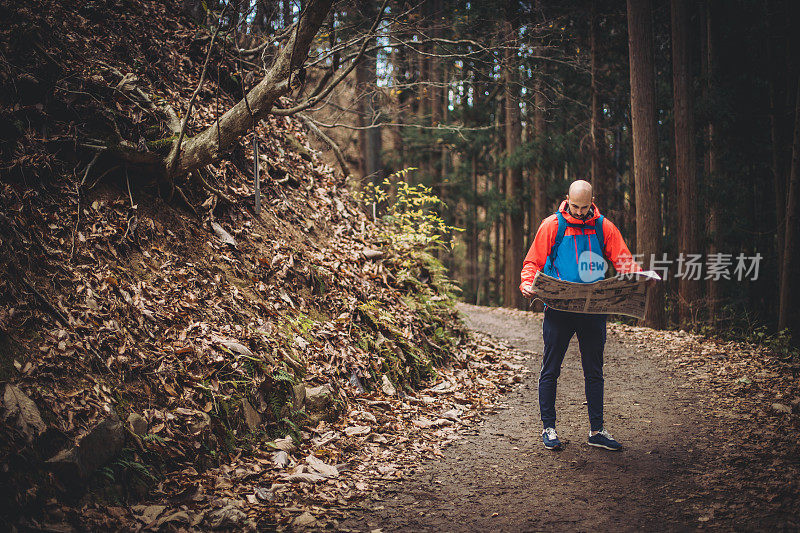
x=598, y=230
x=562, y=227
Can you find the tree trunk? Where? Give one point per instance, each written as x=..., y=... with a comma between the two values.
x=288, y=18
x=435, y=98
x=398, y=58
x=262, y=20
x=777, y=24
x=599, y=172
x=785, y=318
x=645, y=153
x=514, y=215
x=368, y=102
x=711, y=165
x=473, y=237
x=539, y=176
x=214, y=141
x=194, y=10
x=685, y=153
x=498, y=242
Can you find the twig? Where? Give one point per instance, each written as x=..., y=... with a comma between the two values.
x=143, y=101
x=90, y=165
x=258, y=49
x=57, y=314
x=182, y=196
x=77, y=222
x=330, y=142
x=128, y=182
x=313, y=101
x=213, y=189
x=133, y=220
x=216, y=108
x=176, y=148
x=241, y=77
x=45, y=303
x=256, y=174
x=101, y=176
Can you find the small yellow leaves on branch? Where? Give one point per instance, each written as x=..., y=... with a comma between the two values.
x=409, y=212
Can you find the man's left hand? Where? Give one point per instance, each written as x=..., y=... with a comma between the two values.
x=527, y=290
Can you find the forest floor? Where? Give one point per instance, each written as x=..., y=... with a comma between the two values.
x=694, y=456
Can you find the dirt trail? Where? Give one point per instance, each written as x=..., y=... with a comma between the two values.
x=500, y=478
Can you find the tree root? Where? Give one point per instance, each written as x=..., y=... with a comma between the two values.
x=213, y=190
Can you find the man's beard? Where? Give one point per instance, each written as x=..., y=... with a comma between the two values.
x=584, y=217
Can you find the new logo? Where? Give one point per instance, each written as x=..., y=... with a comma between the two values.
x=591, y=266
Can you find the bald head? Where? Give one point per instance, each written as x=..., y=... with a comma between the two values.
x=580, y=191
x=580, y=198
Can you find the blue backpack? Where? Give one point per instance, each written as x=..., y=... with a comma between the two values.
x=562, y=228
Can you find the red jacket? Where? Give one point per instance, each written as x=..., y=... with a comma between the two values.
x=614, y=246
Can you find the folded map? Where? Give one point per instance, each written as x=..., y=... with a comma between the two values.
x=624, y=294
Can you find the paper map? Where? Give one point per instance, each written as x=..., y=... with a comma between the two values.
x=623, y=294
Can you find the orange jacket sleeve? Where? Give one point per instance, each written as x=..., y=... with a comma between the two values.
x=540, y=249
x=616, y=249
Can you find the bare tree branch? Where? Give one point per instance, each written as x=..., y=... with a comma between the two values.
x=172, y=159
x=342, y=75
x=330, y=142
x=211, y=143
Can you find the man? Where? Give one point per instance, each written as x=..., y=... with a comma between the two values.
x=578, y=257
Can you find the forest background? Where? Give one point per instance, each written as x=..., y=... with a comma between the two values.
x=179, y=258
x=500, y=105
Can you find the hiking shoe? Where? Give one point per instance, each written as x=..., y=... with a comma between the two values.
x=550, y=439
x=603, y=439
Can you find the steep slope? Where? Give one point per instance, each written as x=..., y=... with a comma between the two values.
x=156, y=339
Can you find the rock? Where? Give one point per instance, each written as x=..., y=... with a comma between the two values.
x=387, y=469
x=264, y=494
x=94, y=450
x=387, y=387
x=356, y=383
x=298, y=396
x=22, y=412
x=321, y=404
x=201, y=421
x=137, y=424
x=66, y=464
x=251, y=416
x=423, y=423
x=148, y=513
x=300, y=342
x=782, y=408
x=178, y=516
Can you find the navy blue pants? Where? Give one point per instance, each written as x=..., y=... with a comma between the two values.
x=559, y=327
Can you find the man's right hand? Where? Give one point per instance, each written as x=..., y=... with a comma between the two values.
x=527, y=290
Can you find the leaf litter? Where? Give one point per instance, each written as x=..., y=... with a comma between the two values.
x=273, y=369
